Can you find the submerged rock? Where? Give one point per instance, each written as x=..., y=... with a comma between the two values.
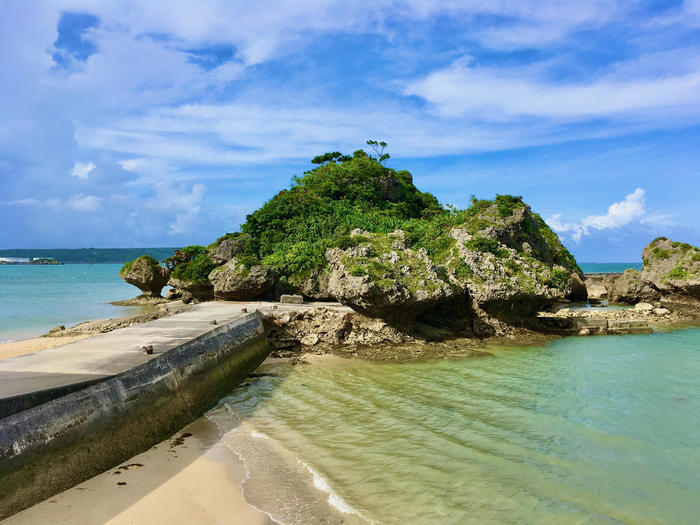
x=146, y=274
x=236, y=282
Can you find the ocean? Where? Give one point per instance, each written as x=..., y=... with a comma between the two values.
x=34, y=299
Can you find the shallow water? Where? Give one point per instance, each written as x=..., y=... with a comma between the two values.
x=34, y=299
x=585, y=430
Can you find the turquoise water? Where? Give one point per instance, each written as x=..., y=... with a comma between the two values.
x=609, y=267
x=585, y=430
x=34, y=299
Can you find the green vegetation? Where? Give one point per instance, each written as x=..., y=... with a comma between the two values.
x=190, y=264
x=126, y=268
x=661, y=253
x=483, y=244
x=678, y=272
x=507, y=204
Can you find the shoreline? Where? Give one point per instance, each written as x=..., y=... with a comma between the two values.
x=218, y=469
x=191, y=477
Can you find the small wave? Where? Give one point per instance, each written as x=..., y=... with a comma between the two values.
x=7, y=341
x=259, y=435
x=334, y=499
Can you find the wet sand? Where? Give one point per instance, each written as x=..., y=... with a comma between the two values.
x=190, y=478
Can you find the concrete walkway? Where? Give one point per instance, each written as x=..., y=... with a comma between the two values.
x=106, y=355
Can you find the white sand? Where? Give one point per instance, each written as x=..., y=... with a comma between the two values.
x=188, y=484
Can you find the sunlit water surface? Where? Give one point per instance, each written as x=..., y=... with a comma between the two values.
x=585, y=430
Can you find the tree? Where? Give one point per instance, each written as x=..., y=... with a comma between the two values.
x=327, y=157
x=379, y=148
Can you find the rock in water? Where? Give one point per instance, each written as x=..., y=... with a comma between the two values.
x=235, y=282
x=672, y=268
x=146, y=274
x=629, y=288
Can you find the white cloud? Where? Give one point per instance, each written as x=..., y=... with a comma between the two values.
x=619, y=213
x=631, y=208
x=558, y=225
x=84, y=203
x=80, y=202
x=82, y=169
x=497, y=94
x=178, y=202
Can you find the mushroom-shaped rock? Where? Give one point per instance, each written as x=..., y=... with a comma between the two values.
x=235, y=282
x=673, y=268
x=146, y=274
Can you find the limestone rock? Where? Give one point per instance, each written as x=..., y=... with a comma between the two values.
x=146, y=274
x=310, y=339
x=235, y=282
x=629, y=288
x=380, y=277
x=672, y=268
x=193, y=290
x=227, y=248
x=315, y=287
x=291, y=299
x=644, y=307
x=662, y=311
x=596, y=290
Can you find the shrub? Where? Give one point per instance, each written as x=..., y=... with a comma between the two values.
x=507, y=204
x=484, y=244
x=661, y=253
x=678, y=273
x=126, y=268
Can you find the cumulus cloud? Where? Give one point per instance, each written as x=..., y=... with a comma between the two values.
x=178, y=202
x=82, y=169
x=631, y=208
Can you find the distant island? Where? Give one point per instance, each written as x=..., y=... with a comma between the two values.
x=11, y=261
x=80, y=255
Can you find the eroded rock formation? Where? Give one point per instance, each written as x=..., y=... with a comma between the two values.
x=146, y=274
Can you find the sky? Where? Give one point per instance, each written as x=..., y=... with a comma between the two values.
x=164, y=123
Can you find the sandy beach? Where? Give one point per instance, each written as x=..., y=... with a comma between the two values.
x=29, y=346
x=190, y=478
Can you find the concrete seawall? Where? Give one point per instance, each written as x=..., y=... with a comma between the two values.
x=57, y=444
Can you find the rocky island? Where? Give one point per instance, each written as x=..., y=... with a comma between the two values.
x=356, y=232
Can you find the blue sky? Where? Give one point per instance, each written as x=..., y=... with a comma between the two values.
x=164, y=123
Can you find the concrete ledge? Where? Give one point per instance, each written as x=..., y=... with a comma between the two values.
x=58, y=444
